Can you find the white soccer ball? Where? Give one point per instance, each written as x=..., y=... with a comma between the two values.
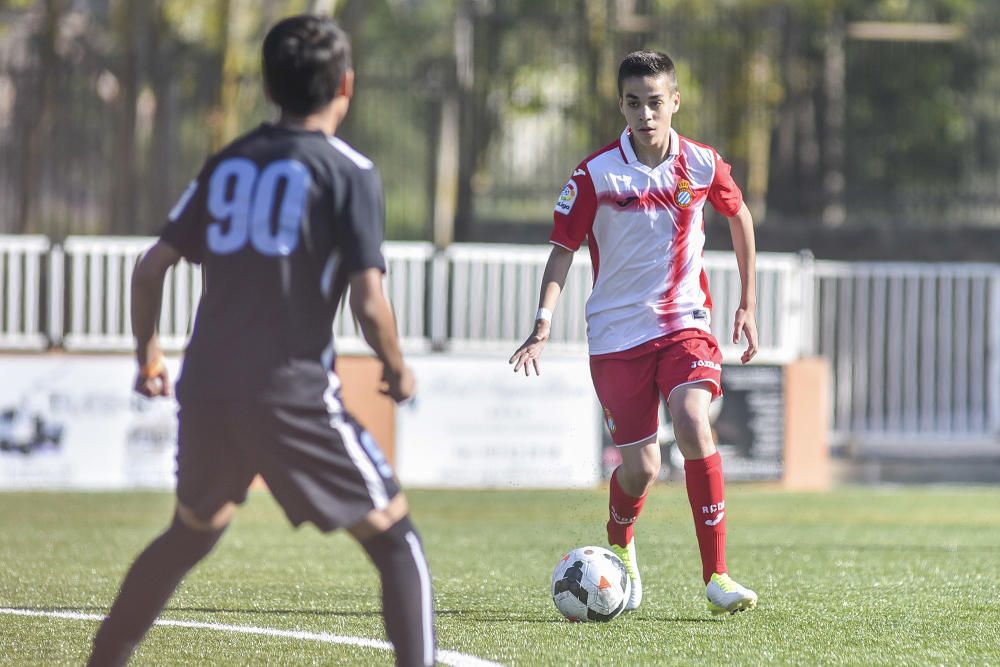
x=590, y=584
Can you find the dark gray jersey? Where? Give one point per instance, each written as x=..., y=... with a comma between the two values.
x=279, y=219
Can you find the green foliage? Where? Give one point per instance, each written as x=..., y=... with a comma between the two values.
x=401, y=51
x=921, y=120
x=195, y=22
x=915, y=140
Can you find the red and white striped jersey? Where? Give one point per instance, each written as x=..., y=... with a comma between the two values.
x=646, y=234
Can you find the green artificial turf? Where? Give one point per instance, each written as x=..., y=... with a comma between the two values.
x=855, y=576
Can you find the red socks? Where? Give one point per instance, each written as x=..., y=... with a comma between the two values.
x=623, y=511
x=706, y=490
x=707, y=494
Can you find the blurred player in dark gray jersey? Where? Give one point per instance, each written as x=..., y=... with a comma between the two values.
x=283, y=220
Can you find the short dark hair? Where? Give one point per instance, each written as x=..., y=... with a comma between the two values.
x=647, y=63
x=304, y=59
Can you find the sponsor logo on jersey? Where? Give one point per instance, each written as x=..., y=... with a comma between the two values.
x=609, y=420
x=625, y=202
x=683, y=196
x=567, y=198
x=700, y=314
x=701, y=363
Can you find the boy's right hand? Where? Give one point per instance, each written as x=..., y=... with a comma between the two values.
x=527, y=355
x=398, y=385
x=152, y=380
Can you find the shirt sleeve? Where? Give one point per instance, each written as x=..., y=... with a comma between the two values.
x=575, y=209
x=185, y=226
x=362, y=223
x=725, y=195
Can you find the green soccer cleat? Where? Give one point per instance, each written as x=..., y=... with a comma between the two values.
x=725, y=596
x=627, y=554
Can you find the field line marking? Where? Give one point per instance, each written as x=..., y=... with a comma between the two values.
x=453, y=658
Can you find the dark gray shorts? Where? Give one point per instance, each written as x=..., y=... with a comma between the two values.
x=318, y=462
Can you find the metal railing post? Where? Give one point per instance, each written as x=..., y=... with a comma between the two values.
x=56, y=295
x=993, y=355
x=439, y=294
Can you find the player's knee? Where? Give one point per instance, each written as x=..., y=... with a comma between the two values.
x=188, y=545
x=380, y=520
x=217, y=522
x=694, y=437
x=640, y=468
x=644, y=472
x=398, y=541
x=691, y=427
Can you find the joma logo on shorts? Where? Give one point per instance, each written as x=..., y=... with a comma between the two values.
x=706, y=364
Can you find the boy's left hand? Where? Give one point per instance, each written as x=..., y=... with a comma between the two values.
x=153, y=384
x=746, y=323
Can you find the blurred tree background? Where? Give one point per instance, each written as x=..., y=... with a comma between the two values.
x=856, y=127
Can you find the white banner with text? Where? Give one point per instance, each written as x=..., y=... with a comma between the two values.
x=475, y=423
x=73, y=422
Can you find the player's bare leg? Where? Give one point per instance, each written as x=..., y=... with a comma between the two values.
x=688, y=405
x=395, y=548
x=152, y=579
x=629, y=484
x=640, y=466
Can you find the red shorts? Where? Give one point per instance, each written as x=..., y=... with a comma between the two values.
x=629, y=383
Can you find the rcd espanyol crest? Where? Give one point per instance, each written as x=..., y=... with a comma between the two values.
x=683, y=196
x=610, y=420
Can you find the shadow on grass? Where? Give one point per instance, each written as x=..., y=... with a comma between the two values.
x=493, y=615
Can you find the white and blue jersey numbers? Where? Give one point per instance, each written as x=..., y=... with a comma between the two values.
x=260, y=207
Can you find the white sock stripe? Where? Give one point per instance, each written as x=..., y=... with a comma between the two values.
x=426, y=601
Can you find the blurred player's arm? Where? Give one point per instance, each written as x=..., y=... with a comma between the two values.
x=147, y=295
x=741, y=229
x=553, y=280
x=378, y=326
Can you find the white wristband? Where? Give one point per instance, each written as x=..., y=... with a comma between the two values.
x=543, y=314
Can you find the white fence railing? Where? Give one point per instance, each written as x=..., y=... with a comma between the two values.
x=98, y=271
x=914, y=348
x=408, y=285
x=22, y=289
x=97, y=274
x=781, y=304
x=494, y=292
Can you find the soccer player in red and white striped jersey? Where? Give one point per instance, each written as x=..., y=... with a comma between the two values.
x=638, y=203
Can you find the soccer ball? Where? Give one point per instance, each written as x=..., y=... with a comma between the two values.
x=590, y=584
